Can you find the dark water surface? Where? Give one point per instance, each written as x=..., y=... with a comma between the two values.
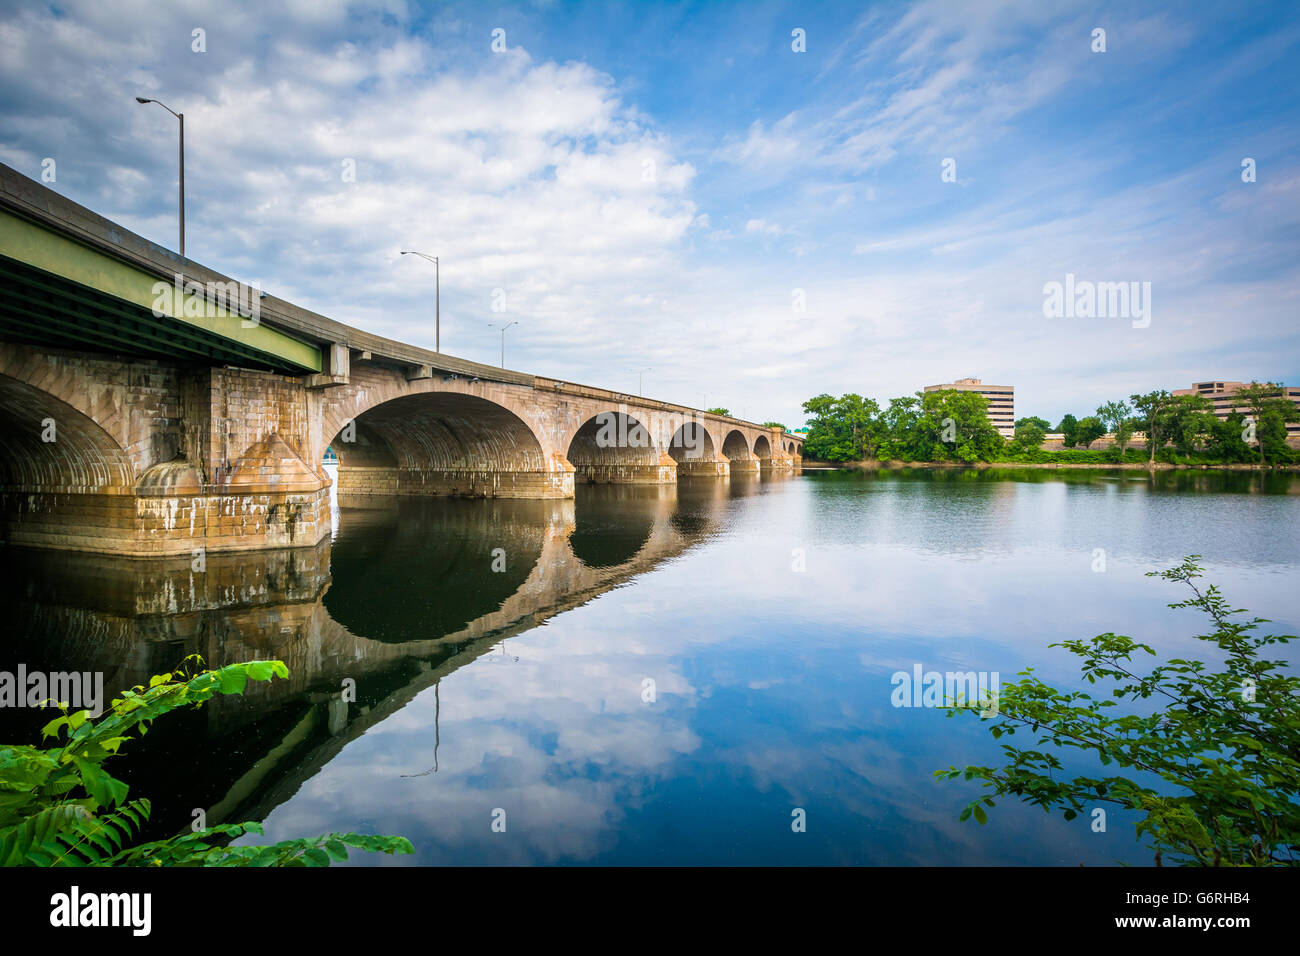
x=501, y=653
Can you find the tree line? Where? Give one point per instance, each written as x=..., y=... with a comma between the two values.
x=953, y=425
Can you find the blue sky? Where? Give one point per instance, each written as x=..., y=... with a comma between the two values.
x=661, y=185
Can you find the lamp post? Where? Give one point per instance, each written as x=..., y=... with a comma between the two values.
x=437, y=294
x=503, y=328
x=640, y=378
x=181, y=118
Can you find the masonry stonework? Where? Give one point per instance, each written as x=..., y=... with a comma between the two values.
x=144, y=457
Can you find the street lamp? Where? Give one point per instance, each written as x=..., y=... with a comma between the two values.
x=181, y=117
x=437, y=294
x=503, y=338
x=640, y=375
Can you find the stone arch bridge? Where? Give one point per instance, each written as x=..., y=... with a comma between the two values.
x=151, y=406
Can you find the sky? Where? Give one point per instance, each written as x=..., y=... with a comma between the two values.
x=725, y=204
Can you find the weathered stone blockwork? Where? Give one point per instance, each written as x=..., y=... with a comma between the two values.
x=144, y=457
x=141, y=457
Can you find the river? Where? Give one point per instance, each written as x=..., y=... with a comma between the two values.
x=702, y=674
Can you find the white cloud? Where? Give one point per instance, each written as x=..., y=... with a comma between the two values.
x=763, y=227
x=611, y=235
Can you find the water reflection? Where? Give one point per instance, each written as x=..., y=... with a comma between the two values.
x=768, y=678
x=407, y=591
x=420, y=567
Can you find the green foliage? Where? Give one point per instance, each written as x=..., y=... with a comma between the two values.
x=1114, y=414
x=1184, y=420
x=946, y=425
x=954, y=426
x=1224, y=441
x=1067, y=428
x=1224, y=741
x=724, y=412
x=1271, y=433
x=1124, y=433
x=1029, y=437
x=898, y=423
x=60, y=807
x=1088, y=430
x=1270, y=412
x=1015, y=452
x=194, y=849
x=1148, y=408
x=950, y=425
x=775, y=425
x=840, y=429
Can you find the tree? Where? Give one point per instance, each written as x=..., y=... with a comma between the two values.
x=1183, y=419
x=955, y=424
x=897, y=426
x=1028, y=439
x=1114, y=414
x=1031, y=434
x=1260, y=400
x=724, y=412
x=1223, y=740
x=858, y=414
x=1271, y=432
x=1067, y=428
x=1125, y=432
x=1149, y=407
x=1088, y=430
x=1226, y=442
x=775, y=425
x=841, y=429
x=1042, y=423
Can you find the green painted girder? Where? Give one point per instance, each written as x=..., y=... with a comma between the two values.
x=55, y=291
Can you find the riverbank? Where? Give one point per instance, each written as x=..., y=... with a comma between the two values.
x=891, y=465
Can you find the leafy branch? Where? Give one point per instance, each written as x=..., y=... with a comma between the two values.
x=1224, y=742
x=60, y=807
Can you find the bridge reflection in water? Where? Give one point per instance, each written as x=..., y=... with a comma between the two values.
x=408, y=591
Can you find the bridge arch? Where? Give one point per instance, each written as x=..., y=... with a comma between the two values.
x=443, y=443
x=692, y=442
x=762, y=448
x=49, y=450
x=614, y=447
x=48, y=446
x=736, y=448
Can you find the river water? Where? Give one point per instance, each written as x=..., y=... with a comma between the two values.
x=694, y=675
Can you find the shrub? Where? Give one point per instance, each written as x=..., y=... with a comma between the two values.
x=60, y=807
x=1226, y=742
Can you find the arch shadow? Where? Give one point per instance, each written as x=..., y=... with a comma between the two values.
x=443, y=444
x=614, y=448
